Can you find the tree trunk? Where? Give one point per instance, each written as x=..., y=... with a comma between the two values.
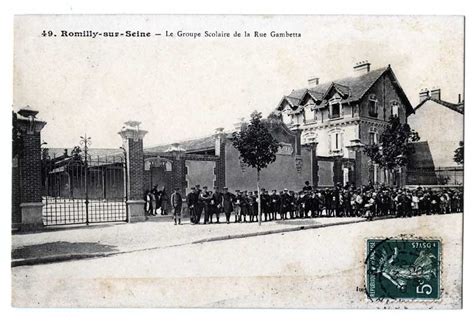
x=259, y=199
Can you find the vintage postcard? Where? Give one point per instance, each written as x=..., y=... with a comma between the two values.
x=228, y=161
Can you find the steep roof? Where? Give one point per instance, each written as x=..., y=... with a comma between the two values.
x=354, y=87
x=459, y=107
x=358, y=85
x=187, y=145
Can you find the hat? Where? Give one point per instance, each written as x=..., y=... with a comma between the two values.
x=197, y=186
x=237, y=191
x=263, y=189
x=205, y=187
x=286, y=189
x=193, y=188
x=225, y=188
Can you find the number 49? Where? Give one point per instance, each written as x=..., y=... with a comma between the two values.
x=47, y=33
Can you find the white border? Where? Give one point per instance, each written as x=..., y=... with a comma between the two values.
x=12, y=316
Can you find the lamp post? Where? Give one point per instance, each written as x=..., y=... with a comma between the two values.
x=86, y=142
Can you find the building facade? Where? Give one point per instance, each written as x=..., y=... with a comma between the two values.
x=338, y=118
x=214, y=162
x=433, y=158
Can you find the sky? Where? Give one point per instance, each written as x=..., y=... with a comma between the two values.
x=184, y=88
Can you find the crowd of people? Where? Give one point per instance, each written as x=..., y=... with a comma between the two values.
x=348, y=201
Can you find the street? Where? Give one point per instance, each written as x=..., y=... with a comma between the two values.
x=317, y=268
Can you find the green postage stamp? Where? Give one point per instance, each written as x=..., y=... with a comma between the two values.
x=403, y=269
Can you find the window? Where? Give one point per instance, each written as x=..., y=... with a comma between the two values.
x=309, y=114
x=373, y=138
x=335, y=110
x=395, y=107
x=336, y=143
x=287, y=118
x=335, y=107
x=373, y=107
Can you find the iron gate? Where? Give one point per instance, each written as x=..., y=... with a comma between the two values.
x=83, y=189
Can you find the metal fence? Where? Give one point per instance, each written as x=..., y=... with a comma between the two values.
x=77, y=190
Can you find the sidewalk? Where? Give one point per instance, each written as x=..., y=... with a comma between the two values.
x=101, y=240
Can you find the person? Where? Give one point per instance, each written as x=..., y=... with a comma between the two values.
x=156, y=193
x=191, y=200
x=176, y=203
x=284, y=204
x=265, y=197
x=226, y=204
x=245, y=206
x=315, y=204
x=253, y=205
x=274, y=204
x=164, y=201
x=216, y=204
x=147, y=202
x=205, y=198
x=300, y=204
x=153, y=203
x=415, y=204
x=307, y=187
x=237, y=205
x=199, y=206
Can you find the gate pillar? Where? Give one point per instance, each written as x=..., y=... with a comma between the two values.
x=29, y=163
x=132, y=137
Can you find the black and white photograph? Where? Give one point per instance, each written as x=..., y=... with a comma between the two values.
x=237, y=161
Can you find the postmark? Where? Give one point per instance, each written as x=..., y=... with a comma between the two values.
x=403, y=269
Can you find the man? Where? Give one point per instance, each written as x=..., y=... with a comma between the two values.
x=216, y=204
x=307, y=203
x=237, y=206
x=227, y=199
x=205, y=199
x=176, y=204
x=307, y=187
x=274, y=204
x=265, y=197
x=245, y=206
x=315, y=204
x=157, y=196
x=253, y=205
x=191, y=200
x=199, y=204
x=284, y=204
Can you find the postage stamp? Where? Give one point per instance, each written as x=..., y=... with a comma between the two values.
x=403, y=269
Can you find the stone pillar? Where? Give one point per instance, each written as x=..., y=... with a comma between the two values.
x=314, y=166
x=132, y=137
x=220, y=136
x=358, y=168
x=29, y=163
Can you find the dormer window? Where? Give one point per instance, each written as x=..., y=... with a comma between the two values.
x=287, y=117
x=395, y=108
x=335, y=107
x=309, y=114
x=373, y=106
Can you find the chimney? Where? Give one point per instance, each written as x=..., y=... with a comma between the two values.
x=361, y=68
x=436, y=94
x=424, y=94
x=459, y=99
x=313, y=81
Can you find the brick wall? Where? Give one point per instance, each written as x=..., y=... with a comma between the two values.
x=220, y=163
x=16, y=194
x=30, y=165
x=136, y=166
